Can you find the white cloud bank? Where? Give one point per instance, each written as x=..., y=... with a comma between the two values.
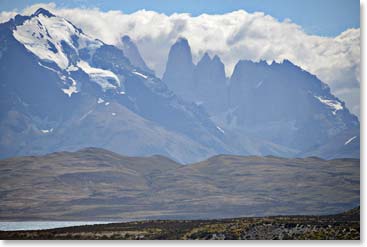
x=233, y=36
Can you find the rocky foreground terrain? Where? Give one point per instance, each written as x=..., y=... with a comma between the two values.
x=344, y=226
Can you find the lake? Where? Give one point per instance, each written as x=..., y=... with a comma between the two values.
x=40, y=225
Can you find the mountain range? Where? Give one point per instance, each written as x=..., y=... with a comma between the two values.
x=266, y=109
x=62, y=90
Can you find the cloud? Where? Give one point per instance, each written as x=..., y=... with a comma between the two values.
x=5, y=15
x=233, y=36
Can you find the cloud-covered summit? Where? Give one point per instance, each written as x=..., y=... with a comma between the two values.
x=233, y=36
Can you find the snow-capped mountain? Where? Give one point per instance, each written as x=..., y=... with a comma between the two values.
x=266, y=109
x=63, y=90
x=57, y=42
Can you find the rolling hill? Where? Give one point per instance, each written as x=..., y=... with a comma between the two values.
x=96, y=184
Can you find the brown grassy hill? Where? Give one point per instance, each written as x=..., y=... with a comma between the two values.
x=95, y=184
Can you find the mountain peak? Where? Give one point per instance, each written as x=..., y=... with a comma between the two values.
x=217, y=61
x=205, y=59
x=181, y=52
x=132, y=52
x=182, y=41
x=182, y=46
x=179, y=68
x=126, y=39
x=206, y=56
x=217, y=58
x=286, y=61
x=127, y=44
x=42, y=11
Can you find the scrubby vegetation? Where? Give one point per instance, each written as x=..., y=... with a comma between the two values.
x=340, y=226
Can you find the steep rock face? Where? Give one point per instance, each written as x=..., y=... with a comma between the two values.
x=71, y=83
x=131, y=51
x=268, y=109
x=286, y=105
x=179, y=69
x=204, y=83
x=210, y=84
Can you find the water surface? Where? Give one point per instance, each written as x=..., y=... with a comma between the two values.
x=41, y=225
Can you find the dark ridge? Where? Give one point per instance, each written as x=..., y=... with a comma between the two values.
x=44, y=12
x=94, y=149
x=20, y=19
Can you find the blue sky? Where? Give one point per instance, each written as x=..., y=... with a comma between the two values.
x=320, y=17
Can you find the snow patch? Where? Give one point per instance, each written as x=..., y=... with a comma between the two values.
x=72, y=89
x=140, y=74
x=46, y=131
x=100, y=101
x=44, y=37
x=102, y=77
x=72, y=68
x=220, y=129
x=113, y=114
x=107, y=103
x=350, y=140
x=122, y=93
x=333, y=104
x=49, y=68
